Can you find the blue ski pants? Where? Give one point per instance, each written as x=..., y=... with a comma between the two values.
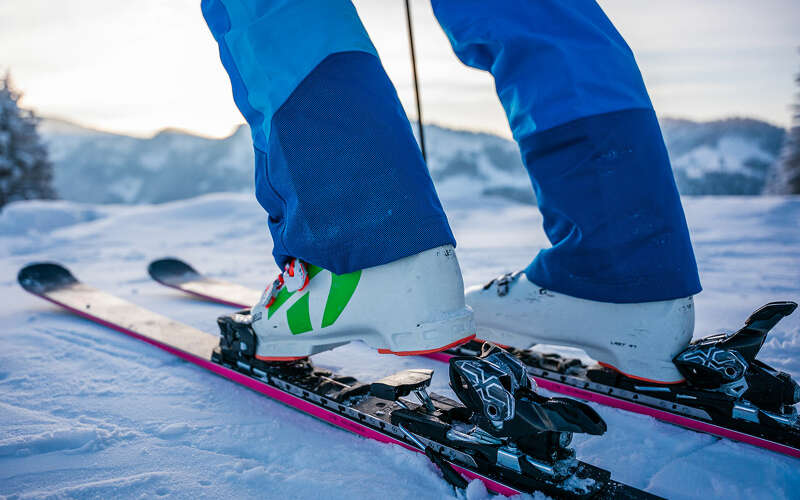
x=344, y=184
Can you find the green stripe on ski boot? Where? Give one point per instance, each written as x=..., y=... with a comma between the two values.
x=342, y=288
x=312, y=270
x=282, y=297
x=298, y=316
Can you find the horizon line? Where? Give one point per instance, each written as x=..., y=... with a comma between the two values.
x=238, y=126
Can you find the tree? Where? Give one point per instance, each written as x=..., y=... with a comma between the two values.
x=25, y=170
x=786, y=177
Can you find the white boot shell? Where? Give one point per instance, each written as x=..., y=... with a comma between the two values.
x=638, y=340
x=410, y=306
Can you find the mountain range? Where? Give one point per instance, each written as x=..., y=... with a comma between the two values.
x=729, y=156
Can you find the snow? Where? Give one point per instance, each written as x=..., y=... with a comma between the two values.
x=89, y=413
x=38, y=216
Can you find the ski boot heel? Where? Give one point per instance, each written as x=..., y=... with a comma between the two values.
x=430, y=336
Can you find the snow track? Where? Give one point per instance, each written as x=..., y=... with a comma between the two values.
x=88, y=413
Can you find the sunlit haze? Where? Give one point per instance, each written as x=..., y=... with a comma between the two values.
x=138, y=67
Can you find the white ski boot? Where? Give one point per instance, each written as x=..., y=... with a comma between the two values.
x=639, y=340
x=414, y=305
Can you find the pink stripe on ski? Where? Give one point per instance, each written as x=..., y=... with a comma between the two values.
x=666, y=416
x=286, y=398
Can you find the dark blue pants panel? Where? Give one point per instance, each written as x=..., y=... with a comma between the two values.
x=343, y=180
x=611, y=211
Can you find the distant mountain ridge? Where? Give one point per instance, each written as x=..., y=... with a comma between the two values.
x=731, y=156
x=719, y=157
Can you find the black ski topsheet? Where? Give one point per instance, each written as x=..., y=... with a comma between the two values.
x=339, y=400
x=557, y=376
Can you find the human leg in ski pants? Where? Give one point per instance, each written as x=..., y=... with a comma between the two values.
x=341, y=177
x=589, y=138
x=337, y=167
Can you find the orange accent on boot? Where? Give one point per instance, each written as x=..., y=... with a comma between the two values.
x=280, y=358
x=428, y=351
x=305, y=283
x=610, y=367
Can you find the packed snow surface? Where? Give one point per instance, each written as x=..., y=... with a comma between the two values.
x=86, y=412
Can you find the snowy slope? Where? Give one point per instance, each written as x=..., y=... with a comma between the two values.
x=721, y=157
x=89, y=413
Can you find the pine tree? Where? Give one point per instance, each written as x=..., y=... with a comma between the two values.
x=786, y=177
x=25, y=170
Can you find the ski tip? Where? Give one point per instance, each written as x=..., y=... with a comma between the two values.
x=172, y=271
x=42, y=277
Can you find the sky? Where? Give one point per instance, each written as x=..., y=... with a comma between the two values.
x=138, y=67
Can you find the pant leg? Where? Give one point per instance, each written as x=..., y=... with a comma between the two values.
x=337, y=167
x=589, y=138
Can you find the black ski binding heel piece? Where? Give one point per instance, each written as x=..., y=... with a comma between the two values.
x=727, y=364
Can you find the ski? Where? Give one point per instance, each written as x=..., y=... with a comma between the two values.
x=177, y=274
x=501, y=432
x=771, y=426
